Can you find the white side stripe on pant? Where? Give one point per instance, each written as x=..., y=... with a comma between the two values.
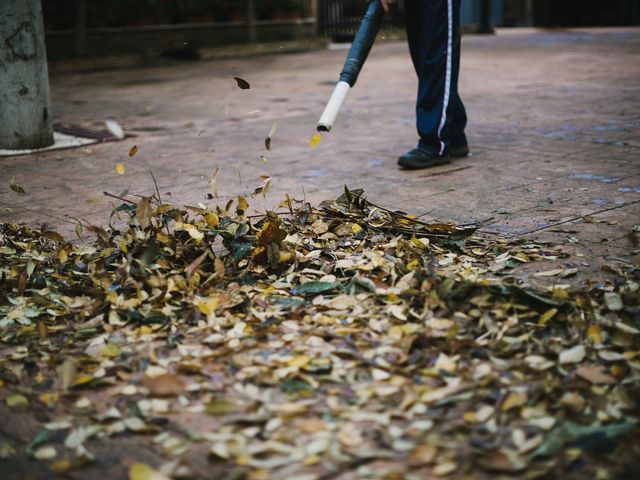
x=447, y=83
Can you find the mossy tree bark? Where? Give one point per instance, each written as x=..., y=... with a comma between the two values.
x=25, y=107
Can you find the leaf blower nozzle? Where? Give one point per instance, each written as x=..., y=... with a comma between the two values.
x=356, y=57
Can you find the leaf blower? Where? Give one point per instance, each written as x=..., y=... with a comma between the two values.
x=356, y=57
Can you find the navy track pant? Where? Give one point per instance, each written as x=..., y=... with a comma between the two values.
x=433, y=32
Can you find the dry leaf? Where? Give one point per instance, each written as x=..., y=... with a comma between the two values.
x=572, y=355
x=193, y=266
x=144, y=212
x=68, y=373
x=242, y=83
x=165, y=385
x=315, y=140
x=267, y=141
x=595, y=374
x=15, y=187
x=133, y=150
x=120, y=169
x=141, y=471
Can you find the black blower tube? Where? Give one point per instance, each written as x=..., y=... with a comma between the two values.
x=356, y=57
x=362, y=42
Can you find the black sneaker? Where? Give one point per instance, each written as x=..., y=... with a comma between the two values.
x=417, y=158
x=461, y=150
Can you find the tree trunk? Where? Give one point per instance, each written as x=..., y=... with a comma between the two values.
x=25, y=108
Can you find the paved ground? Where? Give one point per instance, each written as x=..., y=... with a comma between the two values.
x=554, y=129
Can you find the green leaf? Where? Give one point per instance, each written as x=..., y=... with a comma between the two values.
x=315, y=287
x=594, y=437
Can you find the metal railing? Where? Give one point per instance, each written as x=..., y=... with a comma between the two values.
x=339, y=19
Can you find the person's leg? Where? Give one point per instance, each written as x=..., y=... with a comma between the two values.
x=433, y=32
x=456, y=115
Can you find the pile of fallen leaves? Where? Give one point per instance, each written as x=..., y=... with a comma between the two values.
x=314, y=342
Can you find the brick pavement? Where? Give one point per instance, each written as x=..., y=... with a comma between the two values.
x=554, y=130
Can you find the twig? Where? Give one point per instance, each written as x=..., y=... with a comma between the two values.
x=44, y=214
x=119, y=198
x=159, y=199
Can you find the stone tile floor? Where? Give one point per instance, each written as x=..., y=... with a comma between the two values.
x=554, y=130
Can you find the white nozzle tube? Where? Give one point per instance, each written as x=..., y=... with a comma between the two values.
x=330, y=113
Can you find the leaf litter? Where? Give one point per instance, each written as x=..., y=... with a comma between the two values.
x=317, y=341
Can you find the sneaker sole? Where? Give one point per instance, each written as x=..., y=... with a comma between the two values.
x=417, y=165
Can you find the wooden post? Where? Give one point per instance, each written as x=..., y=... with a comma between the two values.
x=251, y=21
x=25, y=108
x=81, y=26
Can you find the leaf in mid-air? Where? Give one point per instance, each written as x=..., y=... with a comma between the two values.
x=15, y=187
x=315, y=140
x=242, y=83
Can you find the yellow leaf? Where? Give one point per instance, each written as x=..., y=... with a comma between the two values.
x=212, y=219
x=120, y=169
x=141, y=471
x=412, y=264
x=546, y=316
x=356, y=229
x=110, y=351
x=595, y=334
x=469, y=417
x=560, y=294
x=192, y=229
x=82, y=379
x=163, y=238
x=133, y=150
x=513, y=400
x=311, y=460
x=62, y=255
x=315, y=140
x=208, y=306
x=242, y=204
x=16, y=401
x=299, y=361
x=61, y=466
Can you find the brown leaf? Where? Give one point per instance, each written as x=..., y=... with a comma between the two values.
x=165, y=385
x=242, y=83
x=219, y=266
x=55, y=236
x=100, y=232
x=271, y=233
x=514, y=400
x=423, y=454
x=267, y=141
x=595, y=375
x=15, y=187
x=133, y=150
x=193, y=266
x=143, y=212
